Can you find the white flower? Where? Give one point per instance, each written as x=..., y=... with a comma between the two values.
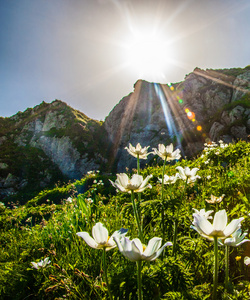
x=135, y=251
x=209, y=177
x=69, y=200
x=101, y=238
x=215, y=199
x=237, y=239
x=41, y=263
x=169, y=179
x=89, y=200
x=138, y=150
x=167, y=152
x=135, y=184
x=187, y=174
x=247, y=260
x=204, y=213
x=219, y=228
x=222, y=145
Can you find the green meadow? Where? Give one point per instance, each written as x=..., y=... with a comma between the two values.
x=46, y=227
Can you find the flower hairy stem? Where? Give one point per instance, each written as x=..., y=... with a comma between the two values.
x=215, y=278
x=105, y=273
x=136, y=216
x=139, y=280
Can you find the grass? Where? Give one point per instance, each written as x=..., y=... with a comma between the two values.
x=46, y=226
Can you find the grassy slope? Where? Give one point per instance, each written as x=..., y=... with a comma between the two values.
x=32, y=164
x=46, y=227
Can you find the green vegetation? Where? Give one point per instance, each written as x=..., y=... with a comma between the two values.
x=46, y=226
x=234, y=71
x=19, y=140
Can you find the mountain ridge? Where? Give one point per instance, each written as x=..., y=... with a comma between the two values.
x=54, y=141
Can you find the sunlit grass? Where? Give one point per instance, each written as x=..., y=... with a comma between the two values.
x=43, y=229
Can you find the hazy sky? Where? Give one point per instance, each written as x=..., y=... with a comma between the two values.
x=89, y=53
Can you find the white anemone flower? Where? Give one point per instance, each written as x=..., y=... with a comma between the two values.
x=204, y=213
x=247, y=260
x=138, y=150
x=166, y=152
x=101, y=239
x=218, y=229
x=187, y=174
x=169, y=179
x=134, y=250
x=135, y=184
x=215, y=199
x=41, y=264
x=236, y=239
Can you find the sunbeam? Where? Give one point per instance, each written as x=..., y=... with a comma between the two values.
x=165, y=100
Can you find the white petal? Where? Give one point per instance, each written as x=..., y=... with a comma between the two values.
x=232, y=226
x=122, y=179
x=34, y=265
x=181, y=172
x=203, y=224
x=220, y=220
x=88, y=239
x=100, y=233
x=158, y=253
x=153, y=245
x=130, y=250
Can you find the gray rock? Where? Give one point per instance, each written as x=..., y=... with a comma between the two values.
x=242, y=86
x=10, y=181
x=215, y=131
x=236, y=113
x=239, y=133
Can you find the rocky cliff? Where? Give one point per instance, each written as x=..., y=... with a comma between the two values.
x=207, y=105
x=53, y=141
x=47, y=143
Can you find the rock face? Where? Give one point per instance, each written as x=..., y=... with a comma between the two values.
x=57, y=141
x=216, y=101
x=52, y=142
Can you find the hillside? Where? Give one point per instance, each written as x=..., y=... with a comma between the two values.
x=53, y=143
x=48, y=143
x=217, y=102
x=42, y=257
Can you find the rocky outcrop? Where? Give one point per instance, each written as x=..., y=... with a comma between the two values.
x=158, y=113
x=148, y=116
x=55, y=139
x=52, y=141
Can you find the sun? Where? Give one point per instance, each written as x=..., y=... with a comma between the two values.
x=148, y=55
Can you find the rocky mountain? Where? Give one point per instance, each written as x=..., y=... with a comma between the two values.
x=207, y=105
x=54, y=142
x=48, y=143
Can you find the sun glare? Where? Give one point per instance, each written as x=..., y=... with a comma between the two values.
x=148, y=55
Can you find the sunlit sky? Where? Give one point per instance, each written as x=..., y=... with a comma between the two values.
x=89, y=53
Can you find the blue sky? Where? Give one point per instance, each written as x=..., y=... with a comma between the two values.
x=89, y=53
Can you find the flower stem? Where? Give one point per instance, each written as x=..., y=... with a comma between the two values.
x=175, y=237
x=138, y=165
x=139, y=194
x=139, y=281
x=136, y=217
x=215, y=279
x=227, y=267
x=105, y=273
x=176, y=221
x=162, y=203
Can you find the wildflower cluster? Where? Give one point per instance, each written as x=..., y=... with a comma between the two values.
x=88, y=254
